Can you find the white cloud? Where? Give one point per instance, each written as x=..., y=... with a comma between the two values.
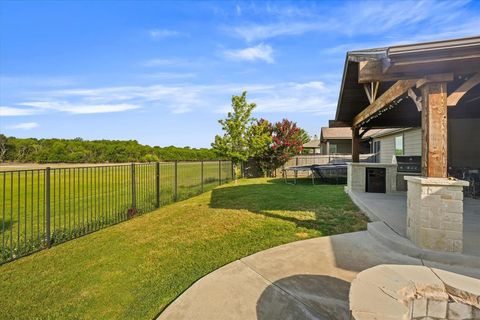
x=169, y=75
x=23, y=126
x=259, y=52
x=79, y=108
x=164, y=62
x=253, y=32
x=406, y=20
x=316, y=97
x=12, y=111
x=162, y=33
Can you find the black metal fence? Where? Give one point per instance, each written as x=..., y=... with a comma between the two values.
x=43, y=207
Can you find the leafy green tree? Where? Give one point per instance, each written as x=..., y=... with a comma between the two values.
x=304, y=136
x=236, y=142
x=286, y=143
x=81, y=151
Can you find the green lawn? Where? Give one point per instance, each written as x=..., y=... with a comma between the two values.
x=85, y=199
x=134, y=269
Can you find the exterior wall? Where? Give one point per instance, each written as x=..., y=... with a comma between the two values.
x=463, y=150
x=435, y=213
x=356, y=176
x=464, y=143
x=412, y=142
x=344, y=146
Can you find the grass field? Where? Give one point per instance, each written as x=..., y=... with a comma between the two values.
x=85, y=199
x=134, y=269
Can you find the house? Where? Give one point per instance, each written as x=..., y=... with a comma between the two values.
x=312, y=147
x=339, y=141
x=433, y=89
x=389, y=143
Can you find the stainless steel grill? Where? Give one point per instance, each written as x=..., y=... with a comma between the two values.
x=410, y=164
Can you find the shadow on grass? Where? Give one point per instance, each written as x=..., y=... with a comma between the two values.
x=5, y=225
x=310, y=297
x=324, y=208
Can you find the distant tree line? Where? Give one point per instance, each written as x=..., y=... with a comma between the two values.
x=97, y=151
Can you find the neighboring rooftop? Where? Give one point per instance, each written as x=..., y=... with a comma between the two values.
x=343, y=133
x=314, y=143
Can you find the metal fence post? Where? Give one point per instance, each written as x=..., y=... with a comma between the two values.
x=201, y=174
x=47, y=206
x=233, y=170
x=176, y=181
x=134, y=193
x=219, y=172
x=157, y=184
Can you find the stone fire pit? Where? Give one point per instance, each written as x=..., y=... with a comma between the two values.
x=413, y=292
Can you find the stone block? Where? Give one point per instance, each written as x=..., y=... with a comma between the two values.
x=459, y=311
x=453, y=206
x=452, y=226
x=419, y=308
x=457, y=246
x=437, y=308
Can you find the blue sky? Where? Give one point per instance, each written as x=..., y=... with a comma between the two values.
x=163, y=72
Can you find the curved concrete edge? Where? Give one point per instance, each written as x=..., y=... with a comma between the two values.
x=362, y=206
x=382, y=232
x=389, y=238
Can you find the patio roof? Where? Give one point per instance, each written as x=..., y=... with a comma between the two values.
x=368, y=74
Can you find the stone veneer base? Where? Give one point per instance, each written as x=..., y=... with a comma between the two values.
x=435, y=213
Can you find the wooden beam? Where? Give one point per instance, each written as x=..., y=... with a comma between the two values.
x=365, y=130
x=356, y=144
x=434, y=129
x=396, y=90
x=367, y=92
x=434, y=78
x=372, y=71
x=415, y=98
x=455, y=96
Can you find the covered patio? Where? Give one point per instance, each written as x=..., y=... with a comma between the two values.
x=392, y=209
x=434, y=86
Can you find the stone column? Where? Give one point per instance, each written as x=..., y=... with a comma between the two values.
x=435, y=213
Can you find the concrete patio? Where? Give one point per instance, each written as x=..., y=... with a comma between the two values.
x=392, y=209
x=307, y=279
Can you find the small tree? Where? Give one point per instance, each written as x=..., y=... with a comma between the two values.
x=286, y=143
x=236, y=142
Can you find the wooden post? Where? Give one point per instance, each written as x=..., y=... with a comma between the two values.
x=434, y=129
x=355, y=144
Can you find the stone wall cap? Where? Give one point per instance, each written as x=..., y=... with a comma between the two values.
x=437, y=181
x=371, y=164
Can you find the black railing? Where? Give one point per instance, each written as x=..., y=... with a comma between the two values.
x=44, y=207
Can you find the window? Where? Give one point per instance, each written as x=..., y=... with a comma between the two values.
x=332, y=149
x=399, y=145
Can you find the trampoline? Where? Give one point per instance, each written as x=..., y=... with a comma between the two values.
x=323, y=171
